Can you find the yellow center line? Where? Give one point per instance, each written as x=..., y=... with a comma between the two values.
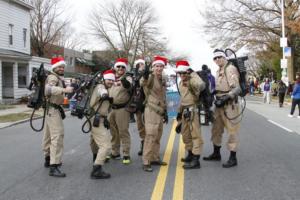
x=179, y=177
x=159, y=187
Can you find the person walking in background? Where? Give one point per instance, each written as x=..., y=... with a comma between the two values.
x=296, y=97
x=252, y=87
x=281, y=92
x=267, y=89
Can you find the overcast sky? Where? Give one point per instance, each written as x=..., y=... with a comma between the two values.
x=177, y=19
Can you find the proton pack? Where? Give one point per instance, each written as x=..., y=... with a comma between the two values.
x=239, y=63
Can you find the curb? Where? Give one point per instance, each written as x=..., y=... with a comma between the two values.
x=23, y=121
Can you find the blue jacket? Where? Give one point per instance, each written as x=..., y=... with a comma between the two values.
x=296, y=91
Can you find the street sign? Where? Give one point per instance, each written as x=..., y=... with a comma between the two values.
x=283, y=63
x=287, y=51
x=283, y=42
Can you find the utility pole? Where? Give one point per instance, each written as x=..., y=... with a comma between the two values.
x=283, y=44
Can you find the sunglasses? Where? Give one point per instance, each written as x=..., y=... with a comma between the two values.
x=120, y=67
x=182, y=73
x=218, y=57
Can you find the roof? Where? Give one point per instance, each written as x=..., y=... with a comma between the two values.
x=4, y=53
x=85, y=62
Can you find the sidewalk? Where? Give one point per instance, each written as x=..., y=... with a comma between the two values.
x=274, y=113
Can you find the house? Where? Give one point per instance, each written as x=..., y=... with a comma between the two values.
x=14, y=48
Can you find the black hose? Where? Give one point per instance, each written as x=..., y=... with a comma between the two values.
x=43, y=122
x=88, y=119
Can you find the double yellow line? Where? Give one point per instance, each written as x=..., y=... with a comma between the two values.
x=159, y=187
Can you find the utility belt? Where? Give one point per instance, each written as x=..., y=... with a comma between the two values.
x=118, y=106
x=221, y=92
x=188, y=112
x=57, y=107
x=101, y=118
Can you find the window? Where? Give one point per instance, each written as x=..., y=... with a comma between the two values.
x=22, y=75
x=24, y=36
x=10, y=34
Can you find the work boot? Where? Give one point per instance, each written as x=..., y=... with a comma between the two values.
x=55, y=171
x=147, y=168
x=141, y=148
x=194, y=164
x=158, y=162
x=47, y=162
x=94, y=157
x=98, y=173
x=126, y=160
x=188, y=158
x=232, y=161
x=215, y=156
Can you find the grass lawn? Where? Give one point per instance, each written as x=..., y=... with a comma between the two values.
x=3, y=106
x=15, y=117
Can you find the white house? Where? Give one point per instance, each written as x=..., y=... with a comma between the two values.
x=14, y=48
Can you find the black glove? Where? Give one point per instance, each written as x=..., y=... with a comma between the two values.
x=179, y=116
x=178, y=128
x=221, y=101
x=125, y=83
x=166, y=118
x=108, y=98
x=106, y=123
x=146, y=74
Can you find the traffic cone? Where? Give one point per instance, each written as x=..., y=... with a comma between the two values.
x=66, y=102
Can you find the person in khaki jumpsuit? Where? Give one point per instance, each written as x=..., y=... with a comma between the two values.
x=100, y=137
x=140, y=65
x=119, y=116
x=190, y=87
x=155, y=114
x=54, y=129
x=227, y=109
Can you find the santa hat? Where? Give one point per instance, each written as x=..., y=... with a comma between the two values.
x=109, y=74
x=182, y=66
x=57, y=61
x=218, y=53
x=121, y=62
x=138, y=61
x=159, y=60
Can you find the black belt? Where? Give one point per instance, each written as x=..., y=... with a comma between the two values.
x=221, y=92
x=59, y=108
x=118, y=106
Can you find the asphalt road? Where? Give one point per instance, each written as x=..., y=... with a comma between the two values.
x=269, y=167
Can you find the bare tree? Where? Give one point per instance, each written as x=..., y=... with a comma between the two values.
x=125, y=25
x=252, y=23
x=46, y=25
x=68, y=38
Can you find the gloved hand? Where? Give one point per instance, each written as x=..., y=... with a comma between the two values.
x=106, y=123
x=179, y=116
x=108, y=98
x=125, y=83
x=178, y=128
x=220, y=102
x=146, y=74
x=166, y=118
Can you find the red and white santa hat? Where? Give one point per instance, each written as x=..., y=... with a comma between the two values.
x=109, y=75
x=138, y=61
x=159, y=60
x=121, y=62
x=182, y=66
x=57, y=61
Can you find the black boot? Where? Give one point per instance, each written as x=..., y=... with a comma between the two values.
x=194, y=164
x=232, y=161
x=188, y=158
x=98, y=173
x=47, y=162
x=55, y=171
x=215, y=156
x=94, y=157
x=142, y=147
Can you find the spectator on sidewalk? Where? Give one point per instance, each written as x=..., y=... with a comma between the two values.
x=252, y=87
x=266, y=89
x=274, y=88
x=281, y=92
x=75, y=85
x=296, y=97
